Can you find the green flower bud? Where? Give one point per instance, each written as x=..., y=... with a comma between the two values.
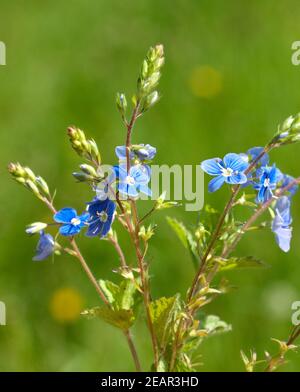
x=150, y=100
x=33, y=188
x=88, y=169
x=86, y=148
x=150, y=71
x=121, y=103
x=288, y=132
x=83, y=177
x=42, y=184
x=25, y=176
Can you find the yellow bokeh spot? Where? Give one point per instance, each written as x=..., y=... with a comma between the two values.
x=205, y=81
x=66, y=305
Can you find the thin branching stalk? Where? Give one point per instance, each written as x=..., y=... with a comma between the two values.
x=134, y=232
x=94, y=282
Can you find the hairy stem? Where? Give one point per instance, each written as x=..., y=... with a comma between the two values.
x=134, y=230
x=119, y=251
x=94, y=282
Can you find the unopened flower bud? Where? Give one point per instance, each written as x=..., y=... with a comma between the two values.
x=88, y=169
x=121, y=103
x=35, y=227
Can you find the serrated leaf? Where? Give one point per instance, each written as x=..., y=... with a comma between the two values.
x=122, y=319
x=120, y=297
x=186, y=238
x=239, y=262
x=163, y=313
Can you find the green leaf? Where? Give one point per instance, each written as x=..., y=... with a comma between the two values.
x=163, y=313
x=239, y=262
x=125, y=297
x=110, y=290
x=186, y=238
x=120, y=297
x=162, y=366
x=213, y=324
x=122, y=319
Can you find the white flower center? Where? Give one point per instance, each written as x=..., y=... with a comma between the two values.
x=129, y=180
x=75, y=221
x=227, y=172
x=102, y=216
x=266, y=182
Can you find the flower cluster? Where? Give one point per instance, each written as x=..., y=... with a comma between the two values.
x=253, y=169
x=99, y=214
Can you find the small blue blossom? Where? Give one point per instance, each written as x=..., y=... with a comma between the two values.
x=230, y=170
x=143, y=152
x=268, y=176
x=136, y=181
x=45, y=247
x=101, y=217
x=281, y=223
x=287, y=180
x=71, y=222
x=121, y=153
x=254, y=152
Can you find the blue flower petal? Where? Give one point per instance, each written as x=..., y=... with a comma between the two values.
x=145, y=189
x=238, y=178
x=96, y=226
x=213, y=166
x=254, y=152
x=146, y=152
x=45, y=247
x=235, y=162
x=216, y=183
x=140, y=174
x=283, y=238
x=65, y=215
x=121, y=153
x=69, y=230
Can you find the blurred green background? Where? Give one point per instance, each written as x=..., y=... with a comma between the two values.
x=228, y=81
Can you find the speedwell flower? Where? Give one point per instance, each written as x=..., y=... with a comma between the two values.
x=143, y=152
x=287, y=180
x=71, y=222
x=45, y=246
x=230, y=169
x=281, y=223
x=136, y=181
x=254, y=153
x=101, y=217
x=268, y=176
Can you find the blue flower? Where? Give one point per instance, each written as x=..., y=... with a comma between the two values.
x=45, y=247
x=71, y=222
x=101, y=217
x=286, y=181
x=136, y=181
x=254, y=152
x=142, y=152
x=230, y=169
x=281, y=223
x=268, y=176
x=121, y=153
